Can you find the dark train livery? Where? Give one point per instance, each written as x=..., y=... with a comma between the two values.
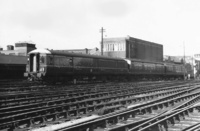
x=12, y=66
x=13, y=60
x=55, y=65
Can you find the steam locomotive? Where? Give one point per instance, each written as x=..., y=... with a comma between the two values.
x=44, y=64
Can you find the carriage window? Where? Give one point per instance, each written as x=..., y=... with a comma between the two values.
x=65, y=61
x=87, y=62
x=61, y=61
x=50, y=60
x=107, y=63
x=41, y=59
x=28, y=60
x=121, y=64
x=137, y=65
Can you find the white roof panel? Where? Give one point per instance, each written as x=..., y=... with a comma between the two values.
x=42, y=51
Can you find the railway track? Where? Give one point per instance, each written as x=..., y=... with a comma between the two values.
x=139, y=117
x=58, y=111
x=98, y=102
x=34, y=91
x=44, y=105
x=26, y=86
x=71, y=95
x=38, y=92
x=184, y=119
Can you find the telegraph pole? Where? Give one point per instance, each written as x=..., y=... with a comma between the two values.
x=184, y=59
x=184, y=51
x=193, y=64
x=101, y=31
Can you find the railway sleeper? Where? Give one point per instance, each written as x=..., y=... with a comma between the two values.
x=132, y=126
x=88, y=102
x=51, y=99
x=69, y=93
x=123, y=102
x=169, y=122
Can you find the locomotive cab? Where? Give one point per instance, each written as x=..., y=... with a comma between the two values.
x=36, y=64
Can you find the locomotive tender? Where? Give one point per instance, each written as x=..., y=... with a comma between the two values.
x=56, y=65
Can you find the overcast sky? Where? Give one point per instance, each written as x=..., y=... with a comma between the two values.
x=75, y=24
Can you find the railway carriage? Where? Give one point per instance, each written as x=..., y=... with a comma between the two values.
x=173, y=70
x=61, y=66
x=49, y=64
x=12, y=67
x=140, y=69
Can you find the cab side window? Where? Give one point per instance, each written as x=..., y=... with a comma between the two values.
x=42, y=59
x=50, y=60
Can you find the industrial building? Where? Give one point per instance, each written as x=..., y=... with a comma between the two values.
x=21, y=49
x=133, y=48
x=94, y=51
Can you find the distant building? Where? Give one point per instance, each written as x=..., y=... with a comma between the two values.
x=21, y=48
x=129, y=47
x=188, y=61
x=94, y=51
x=196, y=63
x=174, y=59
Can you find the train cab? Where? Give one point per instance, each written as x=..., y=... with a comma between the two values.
x=36, y=63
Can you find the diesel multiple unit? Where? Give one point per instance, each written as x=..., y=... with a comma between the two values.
x=55, y=65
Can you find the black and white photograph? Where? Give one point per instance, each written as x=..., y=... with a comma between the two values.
x=99, y=65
